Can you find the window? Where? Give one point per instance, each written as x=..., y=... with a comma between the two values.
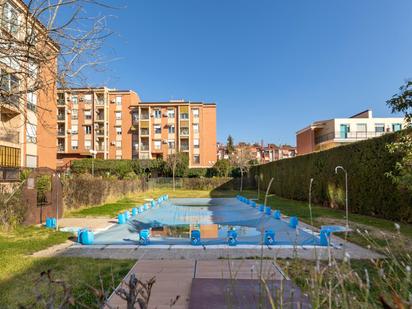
x=171, y=129
x=171, y=144
x=88, y=98
x=361, y=127
x=118, y=144
x=157, y=145
x=196, y=128
x=74, y=129
x=118, y=115
x=31, y=101
x=195, y=112
x=184, y=131
x=75, y=144
x=118, y=130
x=31, y=161
x=396, y=127
x=184, y=116
x=11, y=19
x=157, y=129
x=75, y=99
x=171, y=113
x=118, y=100
x=135, y=116
x=31, y=133
x=379, y=127
x=33, y=69
x=196, y=143
x=11, y=84
x=157, y=113
x=87, y=114
x=87, y=144
x=87, y=129
x=196, y=159
x=75, y=113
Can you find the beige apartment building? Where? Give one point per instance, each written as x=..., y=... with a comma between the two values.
x=325, y=134
x=27, y=111
x=116, y=124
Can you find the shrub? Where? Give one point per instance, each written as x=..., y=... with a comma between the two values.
x=371, y=192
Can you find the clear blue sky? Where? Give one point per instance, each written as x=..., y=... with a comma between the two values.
x=271, y=66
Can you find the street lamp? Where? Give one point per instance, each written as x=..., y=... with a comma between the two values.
x=93, y=152
x=346, y=193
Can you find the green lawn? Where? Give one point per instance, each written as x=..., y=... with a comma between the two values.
x=110, y=210
x=324, y=216
x=18, y=271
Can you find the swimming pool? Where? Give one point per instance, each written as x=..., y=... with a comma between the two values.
x=171, y=222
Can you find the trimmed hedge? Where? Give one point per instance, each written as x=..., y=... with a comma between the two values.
x=370, y=191
x=85, y=190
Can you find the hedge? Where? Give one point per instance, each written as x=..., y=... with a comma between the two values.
x=85, y=190
x=370, y=191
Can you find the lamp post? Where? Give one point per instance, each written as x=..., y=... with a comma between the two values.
x=93, y=152
x=346, y=193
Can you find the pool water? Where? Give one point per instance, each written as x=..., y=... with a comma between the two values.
x=172, y=221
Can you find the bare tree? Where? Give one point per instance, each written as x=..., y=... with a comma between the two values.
x=45, y=44
x=243, y=160
x=174, y=160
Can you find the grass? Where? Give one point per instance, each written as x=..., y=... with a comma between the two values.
x=19, y=271
x=110, y=210
x=325, y=216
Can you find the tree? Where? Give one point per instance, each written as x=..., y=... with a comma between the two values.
x=242, y=160
x=402, y=173
x=47, y=44
x=230, y=148
x=222, y=168
x=402, y=101
x=177, y=164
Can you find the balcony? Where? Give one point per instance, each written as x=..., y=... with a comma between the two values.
x=348, y=136
x=100, y=132
x=144, y=131
x=60, y=117
x=61, y=132
x=9, y=136
x=144, y=147
x=60, y=148
x=100, y=148
x=99, y=118
x=184, y=131
x=184, y=147
x=144, y=116
x=61, y=102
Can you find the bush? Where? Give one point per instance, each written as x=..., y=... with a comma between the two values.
x=367, y=162
x=222, y=168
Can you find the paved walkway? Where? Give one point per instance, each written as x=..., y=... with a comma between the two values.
x=174, y=277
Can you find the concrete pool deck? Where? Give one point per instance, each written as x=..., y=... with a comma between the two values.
x=174, y=277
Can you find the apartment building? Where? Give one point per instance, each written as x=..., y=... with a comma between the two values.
x=262, y=154
x=116, y=124
x=325, y=134
x=28, y=112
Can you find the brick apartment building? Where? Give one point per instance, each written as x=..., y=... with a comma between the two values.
x=28, y=115
x=116, y=124
x=326, y=134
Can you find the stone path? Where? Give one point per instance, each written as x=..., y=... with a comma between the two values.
x=174, y=277
x=94, y=224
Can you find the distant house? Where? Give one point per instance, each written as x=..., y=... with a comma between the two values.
x=325, y=134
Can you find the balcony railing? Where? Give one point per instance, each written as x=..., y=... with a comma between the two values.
x=60, y=117
x=61, y=132
x=144, y=147
x=60, y=148
x=350, y=136
x=144, y=132
x=144, y=117
x=61, y=102
x=184, y=147
x=100, y=132
x=100, y=147
x=10, y=137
